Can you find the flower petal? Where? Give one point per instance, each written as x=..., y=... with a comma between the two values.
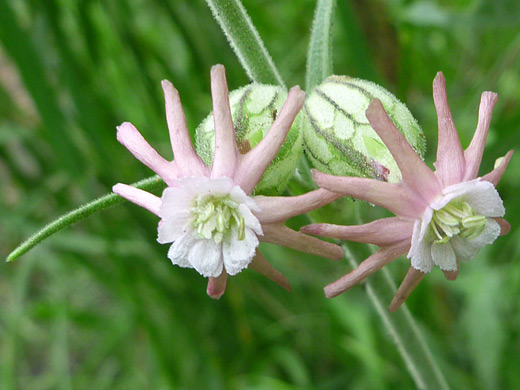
x=496, y=174
x=279, y=234
x=217, y=286
x=410, y=282
x=466, y=250
x=505, y=227
x=450, y=162
x=130, y=137
x=178, y=252
x=238, y=254
x=141, y=198
x=261, y=265
x=188, y=161
x=414, y=171
x=226, y=153
x=383, y=232
x=420, y=250
x=169, y=230
x=254, y=163
x=250, y=220
x=443, y=255
x=281, y=208
x=371, y=265
x=206, y=257
x=482, y=196
x=397, y=198
x=473, y=154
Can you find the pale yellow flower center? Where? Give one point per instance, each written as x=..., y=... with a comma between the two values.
x=215, y=217
x=457, y=218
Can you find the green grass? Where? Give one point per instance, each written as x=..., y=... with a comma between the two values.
x=100, y=306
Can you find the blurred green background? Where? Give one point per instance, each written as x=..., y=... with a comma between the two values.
x=99, y=306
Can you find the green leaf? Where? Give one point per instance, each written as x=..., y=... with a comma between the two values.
x=319, y=56
x=79, y=214
x=245, y=41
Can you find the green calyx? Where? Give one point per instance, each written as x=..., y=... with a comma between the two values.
x=214, y=217
x=457, y=218
x=338, y=137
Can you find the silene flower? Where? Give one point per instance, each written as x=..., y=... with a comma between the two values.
x=442, y=217
x=207, y=213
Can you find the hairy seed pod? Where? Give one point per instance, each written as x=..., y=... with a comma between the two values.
x=254, y=108
x=338, y=138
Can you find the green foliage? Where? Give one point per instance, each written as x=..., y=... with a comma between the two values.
x=100, y=306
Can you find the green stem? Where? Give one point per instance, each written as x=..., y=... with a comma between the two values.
x=79, y=214
x=245, y=41
x=319, y=56
x=405, y=333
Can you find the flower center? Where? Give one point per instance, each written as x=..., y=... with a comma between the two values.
x=213, y=217
x=457, y=218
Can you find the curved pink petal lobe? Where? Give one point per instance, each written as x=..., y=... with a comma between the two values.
x=254, y=163
x=262, y=266
x=130, y=137
x=371, y=265
x=226, y=153
x=383, y=232
x=141, y=198
x=281, y=208
x=397, y=198
x=279, y=234
x=505, y=227
x=217, y=286
x=410, y=282
x=450, y=162
x=496, y=174
x=473, y=154
x=414, y=171
x=187, y=160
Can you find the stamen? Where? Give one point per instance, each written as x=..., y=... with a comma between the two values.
x=457, y=218
x=214, y=217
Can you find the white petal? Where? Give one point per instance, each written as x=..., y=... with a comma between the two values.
x=422, y=258
x=420, y=228
x=206, y=257
x=238, y=254
x=444, y=256
x=420, y=250
x=220, y=186
x=239, y=196
x=480, y=195
x=466, y=249
x=171, y=229
x=175, y=200
x=250, y=220
x=178, y=252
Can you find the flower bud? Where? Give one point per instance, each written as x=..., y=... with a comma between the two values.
x=338, y=137
x=254, y=108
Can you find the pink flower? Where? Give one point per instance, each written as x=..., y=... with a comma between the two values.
x=208, y=213
x=442, y=217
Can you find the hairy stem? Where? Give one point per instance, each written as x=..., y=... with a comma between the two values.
x=79, y=214
x=245, y=41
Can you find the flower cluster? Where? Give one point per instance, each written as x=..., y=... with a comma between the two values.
x=207, y=213
x=442, y=217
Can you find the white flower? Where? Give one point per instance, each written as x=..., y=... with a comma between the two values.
x=211, y=226
x=442, y=217
x=207, y=213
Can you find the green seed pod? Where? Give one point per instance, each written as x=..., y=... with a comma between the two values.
x=254, y=108
x=338, y=138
